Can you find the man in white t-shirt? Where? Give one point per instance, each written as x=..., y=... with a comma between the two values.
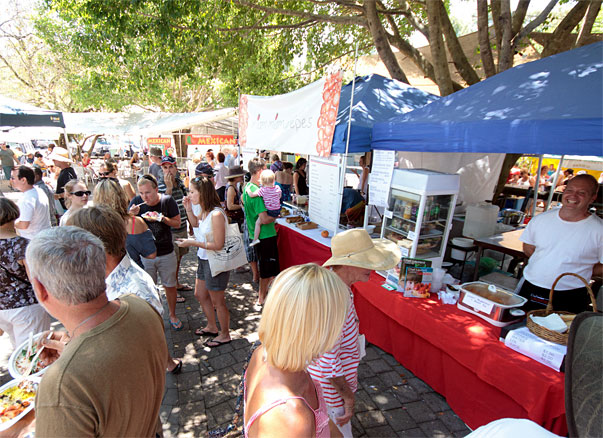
x=33, y=205
x=568, y=239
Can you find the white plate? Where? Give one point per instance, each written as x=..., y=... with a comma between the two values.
x=10, y=423
x=12, y=362
x=151, y=218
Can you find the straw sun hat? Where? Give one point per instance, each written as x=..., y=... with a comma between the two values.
x=235, y=172
x=60, y=154
x=356, y=248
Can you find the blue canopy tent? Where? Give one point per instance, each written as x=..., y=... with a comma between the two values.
x=376, y=99
x=553, y=105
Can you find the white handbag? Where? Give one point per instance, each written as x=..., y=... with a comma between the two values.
x=232, y=255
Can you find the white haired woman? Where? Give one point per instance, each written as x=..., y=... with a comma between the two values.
x=302, y=318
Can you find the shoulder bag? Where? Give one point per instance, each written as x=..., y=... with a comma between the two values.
x=232, y=255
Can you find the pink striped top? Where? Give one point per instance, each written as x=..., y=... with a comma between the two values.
x=342, y=360
x=271, y=197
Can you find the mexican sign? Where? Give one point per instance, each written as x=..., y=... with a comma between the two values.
x=210, y=140
x=302, y=121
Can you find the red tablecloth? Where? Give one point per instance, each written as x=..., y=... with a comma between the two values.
x=296, y=249
x=460, y=356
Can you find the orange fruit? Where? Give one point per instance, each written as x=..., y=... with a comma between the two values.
x=324, y=233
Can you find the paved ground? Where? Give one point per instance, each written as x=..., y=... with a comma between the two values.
x=390, y=400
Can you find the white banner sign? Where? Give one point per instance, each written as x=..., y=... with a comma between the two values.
x=380, y=177
x=302, y=121
x=323, y=207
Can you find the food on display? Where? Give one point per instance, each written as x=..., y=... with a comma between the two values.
x=493, y=304
x=284, y=212
x=324, y=233
x=294, y=219
x=306, y=225
x=16, y=399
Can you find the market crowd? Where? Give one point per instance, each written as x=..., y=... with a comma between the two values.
x=97, y=270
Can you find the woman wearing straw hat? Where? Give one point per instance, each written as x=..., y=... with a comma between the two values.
x=354, y=256
x=60, y=157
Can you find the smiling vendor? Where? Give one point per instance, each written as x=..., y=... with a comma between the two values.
x=568, y=239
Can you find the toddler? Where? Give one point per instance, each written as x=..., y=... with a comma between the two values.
x=271, y=196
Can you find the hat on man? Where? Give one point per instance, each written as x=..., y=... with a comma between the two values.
x=204, y=169
x=356, y=248
x=235, y=172
x=60, y=154
x=169, y=160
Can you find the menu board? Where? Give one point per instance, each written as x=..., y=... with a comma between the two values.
x=380, y=177
x=323, y=205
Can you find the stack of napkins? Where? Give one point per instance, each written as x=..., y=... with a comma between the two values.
x=551, y=322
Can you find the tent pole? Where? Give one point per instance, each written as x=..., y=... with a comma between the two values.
x=555, y=179
x=536, y=184
x=67, y=143
x=347, y=141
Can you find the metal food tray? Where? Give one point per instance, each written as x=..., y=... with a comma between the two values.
x=497, y=314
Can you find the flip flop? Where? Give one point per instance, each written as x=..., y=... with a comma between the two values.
x=177, y=326
x=185, y=287
x=180, y=299
x=218, y=343
x=177, y=368
x=200, y=332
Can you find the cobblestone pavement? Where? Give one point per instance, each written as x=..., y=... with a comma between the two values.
x=390, y=400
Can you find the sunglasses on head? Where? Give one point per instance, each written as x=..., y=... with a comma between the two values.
x=112, y=178
x=81, y=193
x=104, y=173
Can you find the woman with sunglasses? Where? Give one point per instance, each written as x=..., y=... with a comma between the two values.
x=109, y=170
x=207, y=218
x=76, y=197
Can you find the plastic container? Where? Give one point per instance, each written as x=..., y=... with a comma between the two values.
x=480, y=220
x=457, y=254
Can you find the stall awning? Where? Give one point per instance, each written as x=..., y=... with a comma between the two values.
x=145, y=124
x=552, y=105
x=14, y=114
x=376, y=99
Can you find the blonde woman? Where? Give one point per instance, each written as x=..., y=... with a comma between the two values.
x=139, y=240
x=109, y=170
x=209, y=289
x=302, y=318
x=76, y=197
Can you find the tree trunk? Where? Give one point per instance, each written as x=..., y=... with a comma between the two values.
x=485, y=50
x=519, y=15
x=456, y=51
x=91, y=148
x=591, y=15
x=505, y=55
x=381, y=41
x=436, y=45
x=495, y=7
x=509, y=161
x=571, y=20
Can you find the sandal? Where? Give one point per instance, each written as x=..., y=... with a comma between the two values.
x=184, y=288
x=177, y=368
x=180, y=299
x=201, y=332
x=177, y=326
x=216, y=343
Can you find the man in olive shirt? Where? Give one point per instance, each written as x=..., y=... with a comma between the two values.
x=8, y=160
x=109, y=378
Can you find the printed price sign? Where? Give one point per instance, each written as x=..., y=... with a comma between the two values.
x=412, y=235
x=478, y=303
x=388, y=214
x=405, y=251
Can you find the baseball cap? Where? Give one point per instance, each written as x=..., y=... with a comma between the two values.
x=204, y=169
x=170, y=160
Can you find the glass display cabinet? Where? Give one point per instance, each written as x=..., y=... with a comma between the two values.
x=419, y=215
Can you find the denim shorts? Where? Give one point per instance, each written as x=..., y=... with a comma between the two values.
x=217, y=283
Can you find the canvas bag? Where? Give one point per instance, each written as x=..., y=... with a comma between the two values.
x=232, y=255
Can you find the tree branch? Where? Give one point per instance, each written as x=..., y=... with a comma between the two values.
x=519, y=15
x=456, y=50
x=533, y=24
x=300, y=25
x=318, y=17
x=381, y=42
x=436, y=45
x=571, y=20
x=587, y=26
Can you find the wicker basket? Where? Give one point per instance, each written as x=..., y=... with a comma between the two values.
x=551, y=335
